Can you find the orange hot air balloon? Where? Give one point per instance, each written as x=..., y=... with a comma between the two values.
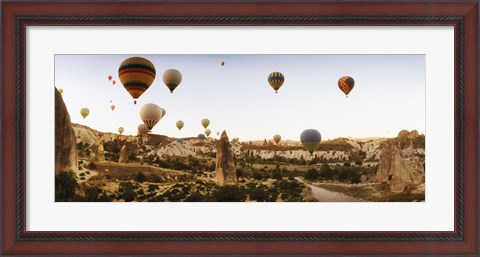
x=113, y=82
x=346, y=84
x=136, y=75
x=112, y=107
x=222, y=63
x=109, y=77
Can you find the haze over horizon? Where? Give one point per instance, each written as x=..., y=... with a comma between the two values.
x=389, y=94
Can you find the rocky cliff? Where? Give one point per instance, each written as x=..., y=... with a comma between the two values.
x=402, y=161
x=225, y=167
x=65, y=143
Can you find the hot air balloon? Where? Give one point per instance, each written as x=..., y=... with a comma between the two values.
x=60, y=91
x=222, y=63
x=217, y=133
x=172, y=78
x=346, y=84
x=205, y=123
x=136, y=75
x=120, y=130
x=112, y=107
x=142, y=129
x=113, y=82
x=150, y=114
x=179, y=140
x=163, y=112
x=109, y=77
x=179, y=124
x=208, y=132
x=277, y=138
x=276, y=79
x=310, y=139
x=201, y=136
x=84, y=112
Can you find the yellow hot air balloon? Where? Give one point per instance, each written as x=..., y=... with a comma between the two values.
x=172, y=78
x=60, y=91
x=84, y=112
x=142, y=129
x=179, y=124
x=277, y=138
x=208, y=132
x=120, y=130
x=205, y=123
x=150, y=115
x=136, y=75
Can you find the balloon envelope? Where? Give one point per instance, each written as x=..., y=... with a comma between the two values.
x=120, y=130
x=277, y=138
x=110, y=77
x=205, y=122
x=60, y=91
x=150, y=114
x=222, y=63
x=84, y=112
x=310, y=139
x=208, y=132
x=112, y=107
x=142, y=129
x=276, y=79
x=346, y=84
x=172, y=78
x=179, y=140
x=163, y=112
x=179, y=124
x=136, y=75
x=113, y=82
x=201, y=136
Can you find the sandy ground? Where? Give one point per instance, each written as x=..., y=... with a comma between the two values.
x=323, y=195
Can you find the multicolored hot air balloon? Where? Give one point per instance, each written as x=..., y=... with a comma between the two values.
x=142, y=129
x=172, y=78
x=60, y=91
x=276, y=79
x=113, y=82
x=112, y=107
x=109, y=77
x=201, y=136
x=277, y=138
x=205, y=122
x=150, y=114
x=346, y=84
x=310, y=139
x=179, y=124
x=208, y=132
x=222, y=63
x=136, y=75
x=120, y=130
x=84, y=112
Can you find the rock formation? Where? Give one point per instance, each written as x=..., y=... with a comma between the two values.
x=402, y=161
x=225, y=167
x=65, y=141
x=123, y=155
x=97, y=153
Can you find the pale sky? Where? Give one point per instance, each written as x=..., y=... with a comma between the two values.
x=389, y=94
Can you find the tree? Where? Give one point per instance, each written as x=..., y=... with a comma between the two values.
x=229, y=194
x=312, y=174
x=140, y=177
x=65, y=186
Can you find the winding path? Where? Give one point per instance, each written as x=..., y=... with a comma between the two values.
x=324, y=195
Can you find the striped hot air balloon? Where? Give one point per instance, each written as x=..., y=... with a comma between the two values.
x=150, y=115
x=310, y=139
x=346, y=84
x=276, y=79
x=142, y=129
x=136, y=75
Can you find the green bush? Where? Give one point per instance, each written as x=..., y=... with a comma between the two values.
x=91, y=166
x=65, y=186
x=140, y=177
x=229, y=194
x=127, y=192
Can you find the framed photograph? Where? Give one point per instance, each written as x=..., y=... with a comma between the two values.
x=246, y=128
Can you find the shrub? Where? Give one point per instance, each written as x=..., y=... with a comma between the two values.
x=65, y=186
x=140, y=177
x=91, y=166
x=229, y=194
x=312, y=174
x=127, y=192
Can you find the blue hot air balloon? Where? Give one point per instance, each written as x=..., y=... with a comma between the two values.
x=179, y=140
x=201, y=136
x=310, y=139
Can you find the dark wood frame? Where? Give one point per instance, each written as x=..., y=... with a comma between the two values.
x=463, y=15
